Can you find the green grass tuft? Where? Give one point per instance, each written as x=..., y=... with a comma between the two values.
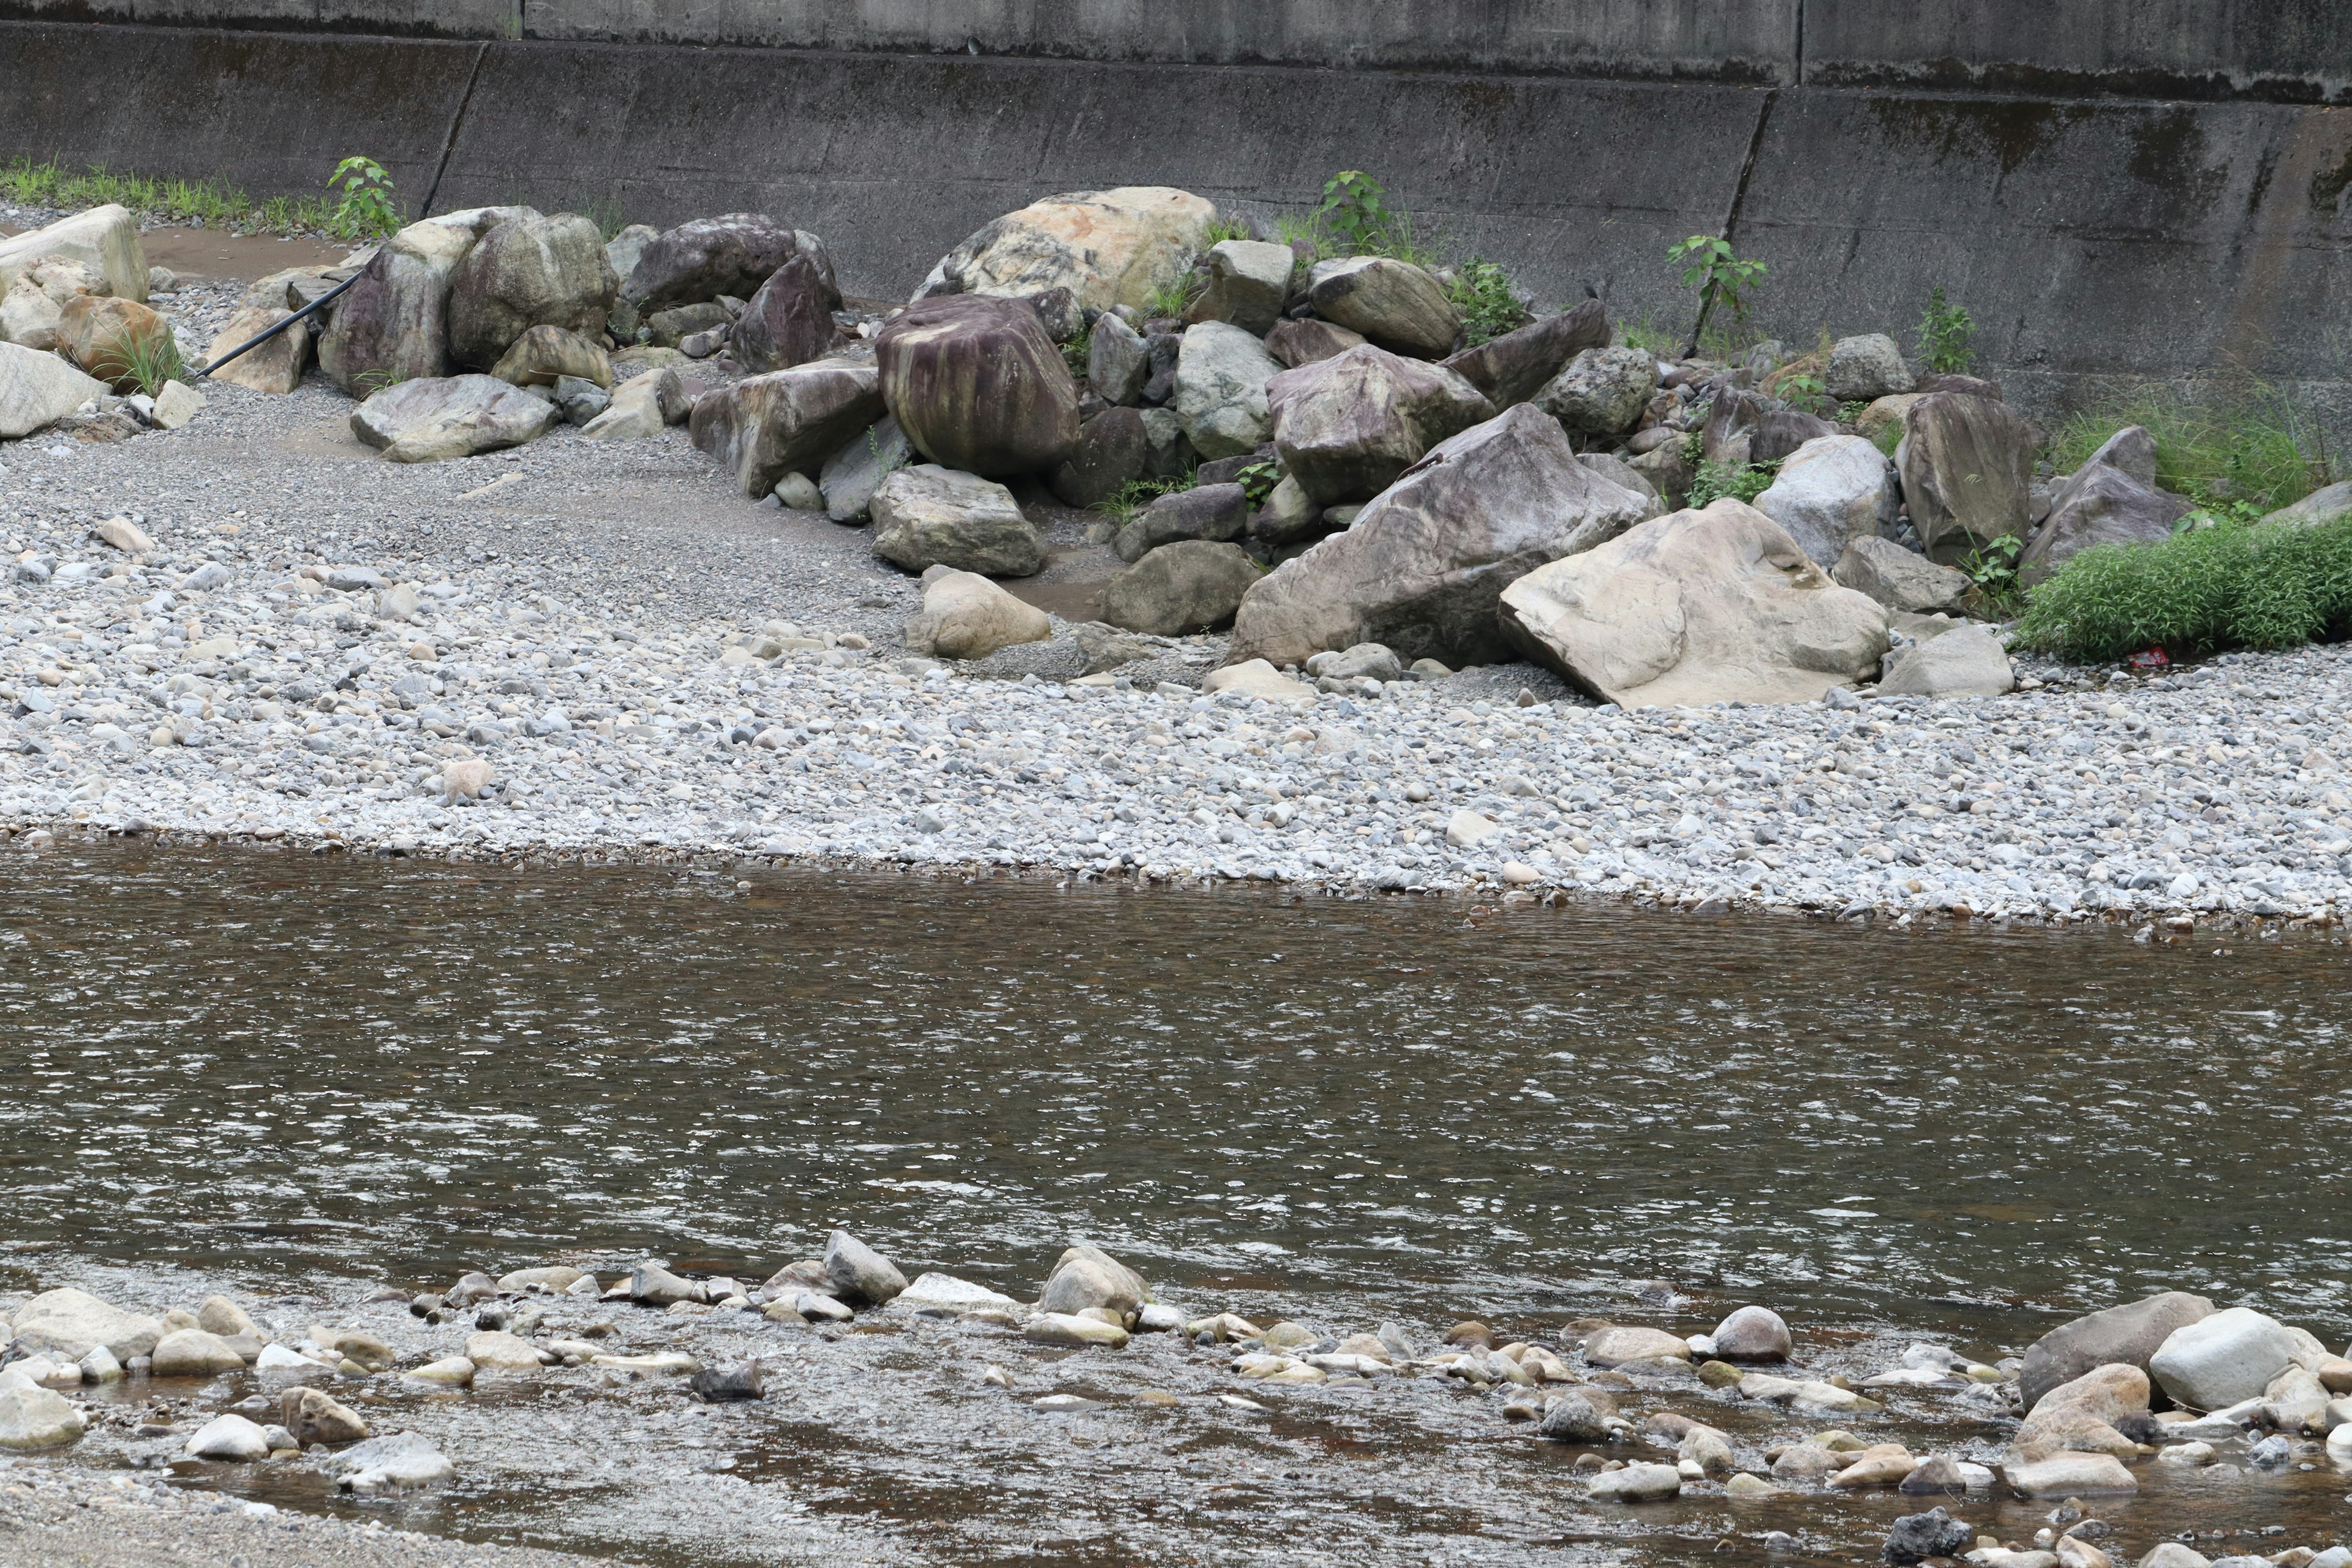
x=1740, y=482
x=2254, y=448
x=214, y=202
x=2232, y=585
x=1137, y=494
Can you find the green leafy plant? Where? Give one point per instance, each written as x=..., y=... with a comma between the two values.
x=2228, y=584
x=1482, y=295
x=1135, y=494
x=2255, y=446
x=1944, y=335
x=1720, y=275
x=365, y=208
x=1355, y=209
x=1258, y=482
x=1992, y=567
x=146, y=360
x=1078, y=353
x=1740, y=482
x=1804, y=393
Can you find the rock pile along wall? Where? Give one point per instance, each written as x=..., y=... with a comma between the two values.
x=2163, y=190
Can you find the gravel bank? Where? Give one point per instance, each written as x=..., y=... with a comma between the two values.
x=588, y=620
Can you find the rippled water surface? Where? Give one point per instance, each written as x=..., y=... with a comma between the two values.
x=286, y=1065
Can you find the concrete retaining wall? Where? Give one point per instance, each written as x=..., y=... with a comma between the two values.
x=2092, y=237
x=2284, y=50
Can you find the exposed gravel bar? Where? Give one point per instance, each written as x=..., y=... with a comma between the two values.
x=645, y=661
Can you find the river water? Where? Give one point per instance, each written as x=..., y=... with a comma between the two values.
x=299, y=1071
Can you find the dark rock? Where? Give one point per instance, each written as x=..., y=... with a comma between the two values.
x=1193, y=584
x=1113, y=449
x=788, y=421
x=1937, y=1476
x=786, y=321
x=1205, y=512
x=1967, y=473
x=1971, y=385
x=731, y=253
x=977, y=385
x=1601, y=393
x=1228, y=470
x=2127, y=1335
x=679, y=322
x=1346, y=427
x=2102, y=505
x=1728, y=434
x=1920, y=1536
x=1778, y=432
x=1297, y=343
x=392, y=323
x=1164, y=350
x=1514, y=367
x=720, y=1385
x=1058, y=313
x=528, y=272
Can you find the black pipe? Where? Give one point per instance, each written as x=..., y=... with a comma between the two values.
x=260, y=338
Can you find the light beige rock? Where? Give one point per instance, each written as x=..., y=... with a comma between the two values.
x=1257, y=678
x=1086, y=1277
x=1067, y=1328
x=2081, y=1415
x=965, y=616
x=449, y=1371
x=38, y=389
x=642, y=406
x=73, y=1322
x=277, y=365
x=2072, y=1475
x=33, y=306
x=221, y=1316
x=500, y=1351
x=125, y=535
x=1395, y=304
x=465, y=778
x=438, y=418
x=1467, y=830
x=105, y=239
x=1885, y=1465
x=176, y=405
x=557, y=1277
x=1106, y=247
x=192, y=1352
x=316, y=1417
x=1615, y=1345
x=1697, y=607
x=33, y=1418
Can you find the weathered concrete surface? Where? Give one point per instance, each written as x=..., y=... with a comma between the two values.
x=2093, y=238
x=2284, y=50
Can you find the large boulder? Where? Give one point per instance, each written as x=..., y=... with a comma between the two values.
x=860, y=1275
x=543, y=355
x=786, y=422
x=1106, y=247
x=1514, y=367
x=2224, y=1358
x=193, y=1353
x=2071, y=1475
x=1204, y=511
x=440, y=418
x=1087, y=1278
x=1753, y=1334
x=32, y=1419
x=1832, y=491
x=1303, y=341
x=105, y=239
x=1248, y=281
x=1899, y=579
x=110, y=337
x=275, y=366
x=929, y=516
x=76, y=1322
x=39, y=389
x=626, y=249
x=1192, y=585
x=32, y=303
x=1420, y=567
x=1113, y=450
x=1967, y=473
x=854, y=472
x=2107, y=501
x=2127, y=1335
x=1967, y=661
x=2084, y=1416
x=1347, y=426
x=1602, y=392
x=965, y=616
x=1866, y=368
x=1394, y=303
x=789, y=319
x=732, y=254
x=2323, y=505
x=1780, y=433
x=1706, y=606
x=528, y=272
x=392, y=323
x=1222, y=373
x=977, y=385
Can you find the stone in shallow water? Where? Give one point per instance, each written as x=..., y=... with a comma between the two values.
x=229, y=1437
x=1063, y=1329
x=946, y=1295
x=860, y=1275
x=192, y=1352
x=33, y=1418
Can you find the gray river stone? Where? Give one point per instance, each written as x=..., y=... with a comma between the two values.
x=860, y=1275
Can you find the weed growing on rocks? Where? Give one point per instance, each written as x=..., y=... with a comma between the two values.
x=1740, y=482
x=2256, y=448
x=1481, y=293
x=365, y=208
x=2232, y=584
x=1945, y=334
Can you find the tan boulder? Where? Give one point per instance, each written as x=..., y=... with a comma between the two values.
x=1106, y=247
x=543, y=354
x=1615, y=1345
x=965, y=616
x=275, y=366
x=105, y=239
x=113, y=339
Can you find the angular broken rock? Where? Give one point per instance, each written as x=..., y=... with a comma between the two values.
x=977, y=385
x=1192, y=585
x=1421, y=567
x=275, y=366
x=528, y=272
x=1108, y=248
x=928, y=516
x=1706, y=606
x=1967, y=473
x=438, y=418
x=1248, y=281
x=1113, y=450
x=732, y=254
x=1602, y=392
x=1396, y=305
x=2085, y=1415
x=644, y=405
x=2104, y=503
x=1967, y=661
x=1222, y=373
x=860, y=1275
x=1900, y=579
x=543, y=355
x=1296, y=343
x=852, y=475
x=393, y=324
x=39, y=389
x=658, y=1287
x=965, y=616
x=1346, y=427
x=788, y=421
x=1831, y=492
x=1118, y=362
x=1514, y=367
x=788, y=320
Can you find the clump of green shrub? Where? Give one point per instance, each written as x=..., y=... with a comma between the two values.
x=1740, y=482
x=2230, y=584
x=2253, y=450
x=1482, y=295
